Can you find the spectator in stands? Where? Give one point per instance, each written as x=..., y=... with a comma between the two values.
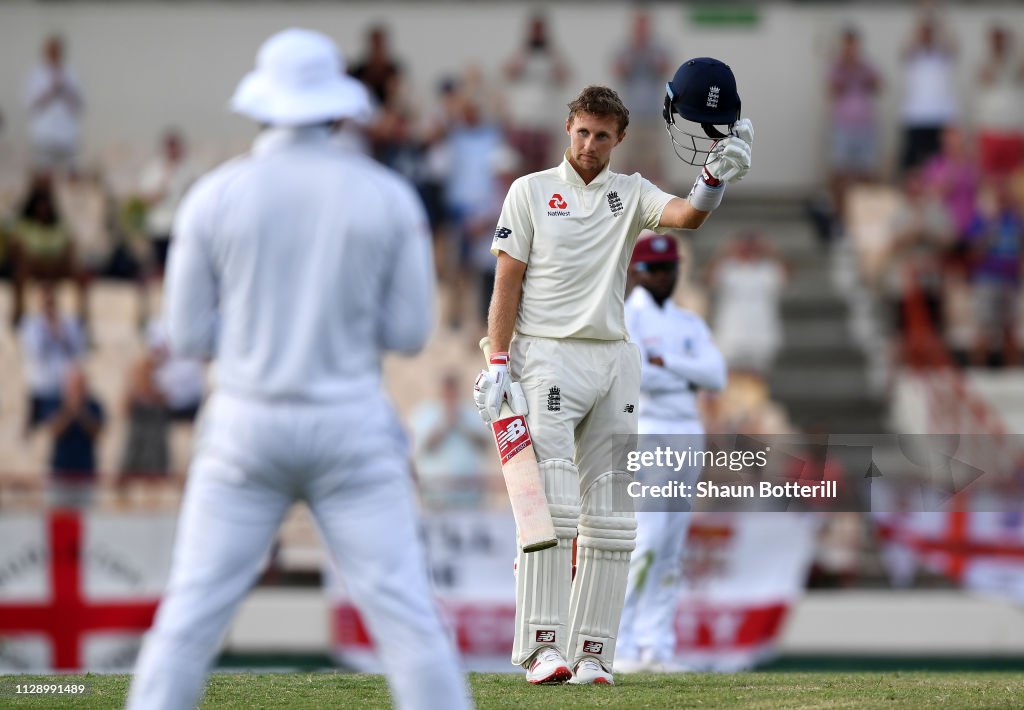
x=448, y=448
x=921, y=232
x=436, y=159
x=996, y=239
x=999, y=107
x=642, y=66
x=953, y=175
x=85, y=205
x=853, y=88
x=76, y=427
x=480, y=230
x=55, y=102
x=162, y=185
x=180, y=380
x=382, y=75
x=474, y=144
x=51, y=344
x=378, y=68
x=537, y=74
x=147, y=449
x=929, y=100
x=42, y=247
x=747, y=279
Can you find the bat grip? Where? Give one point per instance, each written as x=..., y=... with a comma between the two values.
x=485, y=345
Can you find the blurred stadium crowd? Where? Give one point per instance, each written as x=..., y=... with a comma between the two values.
x=92, y=400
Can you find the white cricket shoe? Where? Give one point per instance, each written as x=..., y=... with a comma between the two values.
x=590, y=672
x=547, y=666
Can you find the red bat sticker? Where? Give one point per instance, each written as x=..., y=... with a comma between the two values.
x=512, y=436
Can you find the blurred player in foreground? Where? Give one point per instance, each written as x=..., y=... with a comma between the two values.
x=298, y=265
x=678, y=358
x=563, y=243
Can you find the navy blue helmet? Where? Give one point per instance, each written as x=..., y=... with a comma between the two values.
x=703, y=91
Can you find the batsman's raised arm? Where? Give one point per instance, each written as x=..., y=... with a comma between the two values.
x=680, y=214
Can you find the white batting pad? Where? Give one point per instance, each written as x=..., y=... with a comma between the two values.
x=606, y=540
x=543, y=578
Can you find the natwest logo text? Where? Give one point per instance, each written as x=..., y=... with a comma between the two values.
x=558, y=206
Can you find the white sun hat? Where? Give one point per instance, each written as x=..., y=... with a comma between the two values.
x=300, y=80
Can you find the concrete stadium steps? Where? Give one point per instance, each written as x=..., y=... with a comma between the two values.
x=820, y=375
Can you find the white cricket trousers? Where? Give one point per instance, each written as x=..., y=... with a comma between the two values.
x=647, y=627
x=254, y=459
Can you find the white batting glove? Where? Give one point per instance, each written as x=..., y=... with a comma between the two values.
x=494, y=386
x=729, y=161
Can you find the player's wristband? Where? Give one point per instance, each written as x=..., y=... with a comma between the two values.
x=499, y=359
x=704, y=196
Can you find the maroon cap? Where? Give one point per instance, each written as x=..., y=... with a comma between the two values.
x=653, y=248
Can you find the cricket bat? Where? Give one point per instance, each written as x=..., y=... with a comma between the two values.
x=522, y=476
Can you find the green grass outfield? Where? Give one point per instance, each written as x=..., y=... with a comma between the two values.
x=344, y=691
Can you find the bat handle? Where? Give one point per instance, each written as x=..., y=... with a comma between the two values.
x=485, y=345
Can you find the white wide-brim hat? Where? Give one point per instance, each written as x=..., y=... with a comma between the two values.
x=299, y=80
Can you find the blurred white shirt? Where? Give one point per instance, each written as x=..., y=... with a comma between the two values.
x=49, y=351
x=576, y=239
x=53, y=123
x=747, y=319
x=298, y=265
x=682, y=340
x=171, y=181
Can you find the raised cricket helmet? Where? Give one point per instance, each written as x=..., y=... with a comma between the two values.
x=703, y=92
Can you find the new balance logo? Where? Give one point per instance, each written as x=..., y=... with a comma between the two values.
x=594, y=647
x=515, y=429
x=502, y=233
x=554, y=400
x=545, y=636
x=511, y=436
x=614, y=204
x=628, y=409
x=713, y=97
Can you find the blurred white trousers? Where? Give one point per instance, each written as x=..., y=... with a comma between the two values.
x=647, y=627
x=253, y=460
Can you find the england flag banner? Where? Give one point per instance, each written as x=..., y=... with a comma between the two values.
x=741, y=574
x=77, y=590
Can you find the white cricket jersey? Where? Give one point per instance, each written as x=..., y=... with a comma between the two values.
x=576, y=240
x=683, y=341
x=298, y=265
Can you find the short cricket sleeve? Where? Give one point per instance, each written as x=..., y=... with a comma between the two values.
x=514, y=233
x=652, y=203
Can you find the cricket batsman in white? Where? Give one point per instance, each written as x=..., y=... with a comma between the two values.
x=297, y=266
x=563, y=243
x=678, y=359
